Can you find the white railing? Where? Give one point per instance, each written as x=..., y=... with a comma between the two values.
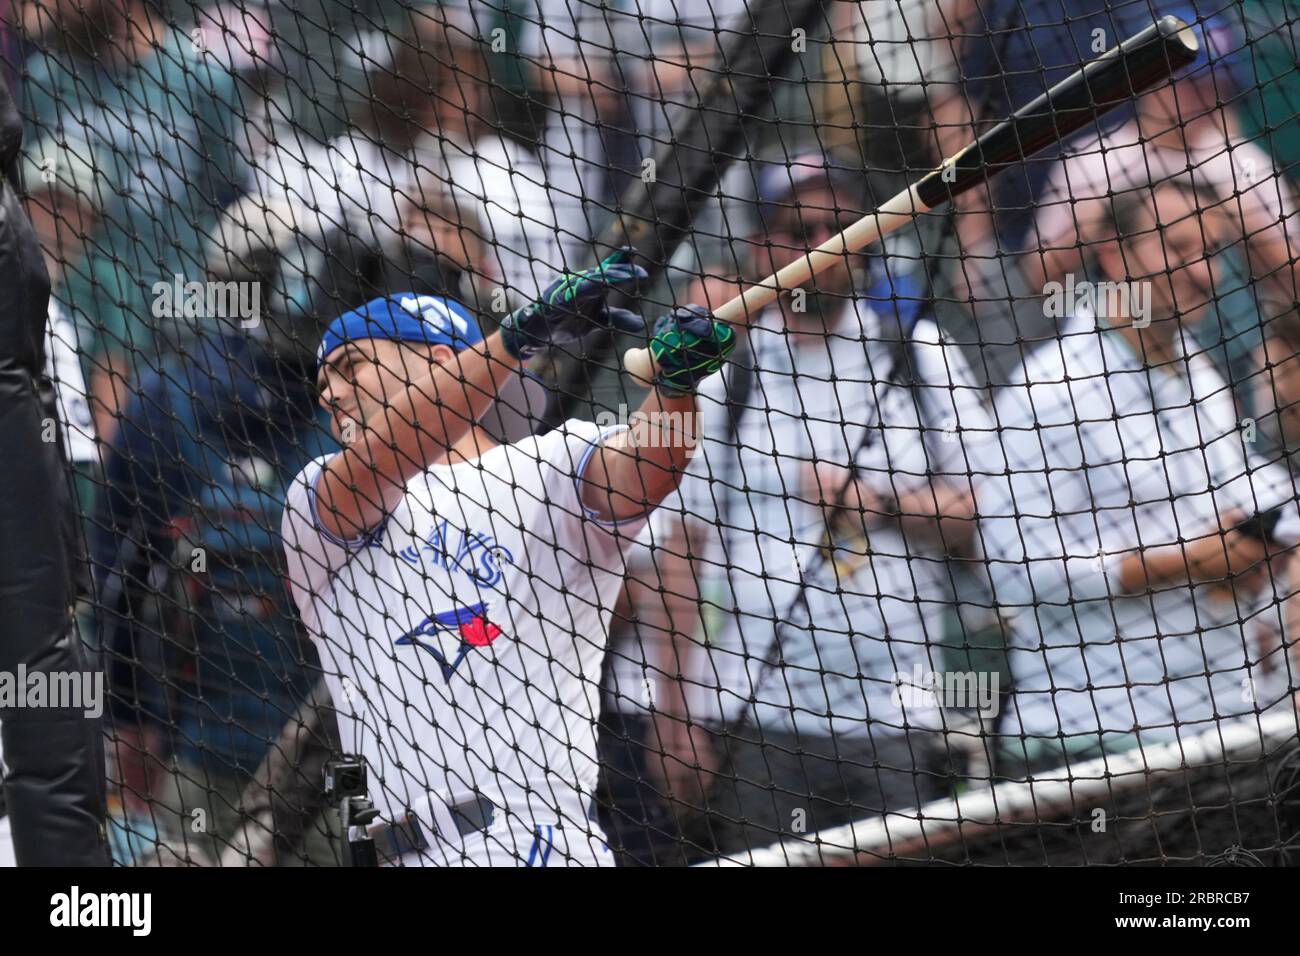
x=1049, y=797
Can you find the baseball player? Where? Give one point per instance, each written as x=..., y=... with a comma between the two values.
x=460, y=591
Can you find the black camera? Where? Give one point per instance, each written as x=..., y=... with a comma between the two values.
x=346, y=784
x=345, y=777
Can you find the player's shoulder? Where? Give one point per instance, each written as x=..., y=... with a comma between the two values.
x=308, y=473
x=566, y=445
x=299, y=525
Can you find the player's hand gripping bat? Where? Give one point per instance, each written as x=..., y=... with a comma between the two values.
x=1117, y=75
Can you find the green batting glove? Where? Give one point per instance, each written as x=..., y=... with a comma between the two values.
x=574, y=305
x=688, y=346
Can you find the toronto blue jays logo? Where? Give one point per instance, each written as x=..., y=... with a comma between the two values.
x=468, y=624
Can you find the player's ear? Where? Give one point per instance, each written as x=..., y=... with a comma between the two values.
x=442, y=354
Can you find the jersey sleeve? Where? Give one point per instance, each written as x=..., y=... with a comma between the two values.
x=312, y=554
x=564, y=455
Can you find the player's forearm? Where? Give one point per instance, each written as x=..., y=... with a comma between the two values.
x=1146, y=568
x=637, y=469
x=361, y=484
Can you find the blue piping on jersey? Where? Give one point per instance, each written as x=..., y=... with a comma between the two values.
x=360, y=541
x=590, y=513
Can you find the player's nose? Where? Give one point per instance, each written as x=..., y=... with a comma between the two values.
x=336, y=390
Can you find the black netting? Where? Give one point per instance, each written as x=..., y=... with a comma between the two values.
x=975, y=547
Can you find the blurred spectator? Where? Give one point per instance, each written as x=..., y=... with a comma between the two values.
x=663, y=57
x=908, y=103
x=1277, y=384
x=575, y=49
x=829, y=493
x=498, y=187
x=238, y=36
x=1267, y=75
x=161, y=113
x=207, y=661
x=423, y=179
x=1115, y=542
x=308, y=198
x=1011, y=52
x=901, y=59
x=1275, y=432
x=663, y=53
x=435, y=251
x=1181, y=125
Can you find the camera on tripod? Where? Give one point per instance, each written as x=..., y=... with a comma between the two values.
x=345, y=777
x=346, y=786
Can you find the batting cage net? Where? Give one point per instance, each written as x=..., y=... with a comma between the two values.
x=390, y=543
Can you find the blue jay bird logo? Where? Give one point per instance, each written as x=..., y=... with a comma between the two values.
x=469, y=624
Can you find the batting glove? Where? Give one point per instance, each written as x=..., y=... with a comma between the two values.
x=688, y=346
x=574, y=305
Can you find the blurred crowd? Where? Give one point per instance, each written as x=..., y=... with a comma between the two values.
x=919, y=467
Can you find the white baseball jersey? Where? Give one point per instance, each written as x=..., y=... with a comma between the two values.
x=462, y=642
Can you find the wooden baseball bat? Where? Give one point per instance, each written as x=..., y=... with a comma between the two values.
x=1119, y=74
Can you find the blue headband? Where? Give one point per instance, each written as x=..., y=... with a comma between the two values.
x=403, y=317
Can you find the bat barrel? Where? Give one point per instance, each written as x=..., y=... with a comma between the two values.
x=1119, y=74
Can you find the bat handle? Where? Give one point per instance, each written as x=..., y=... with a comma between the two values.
x=890, y=216
x=640, y=364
